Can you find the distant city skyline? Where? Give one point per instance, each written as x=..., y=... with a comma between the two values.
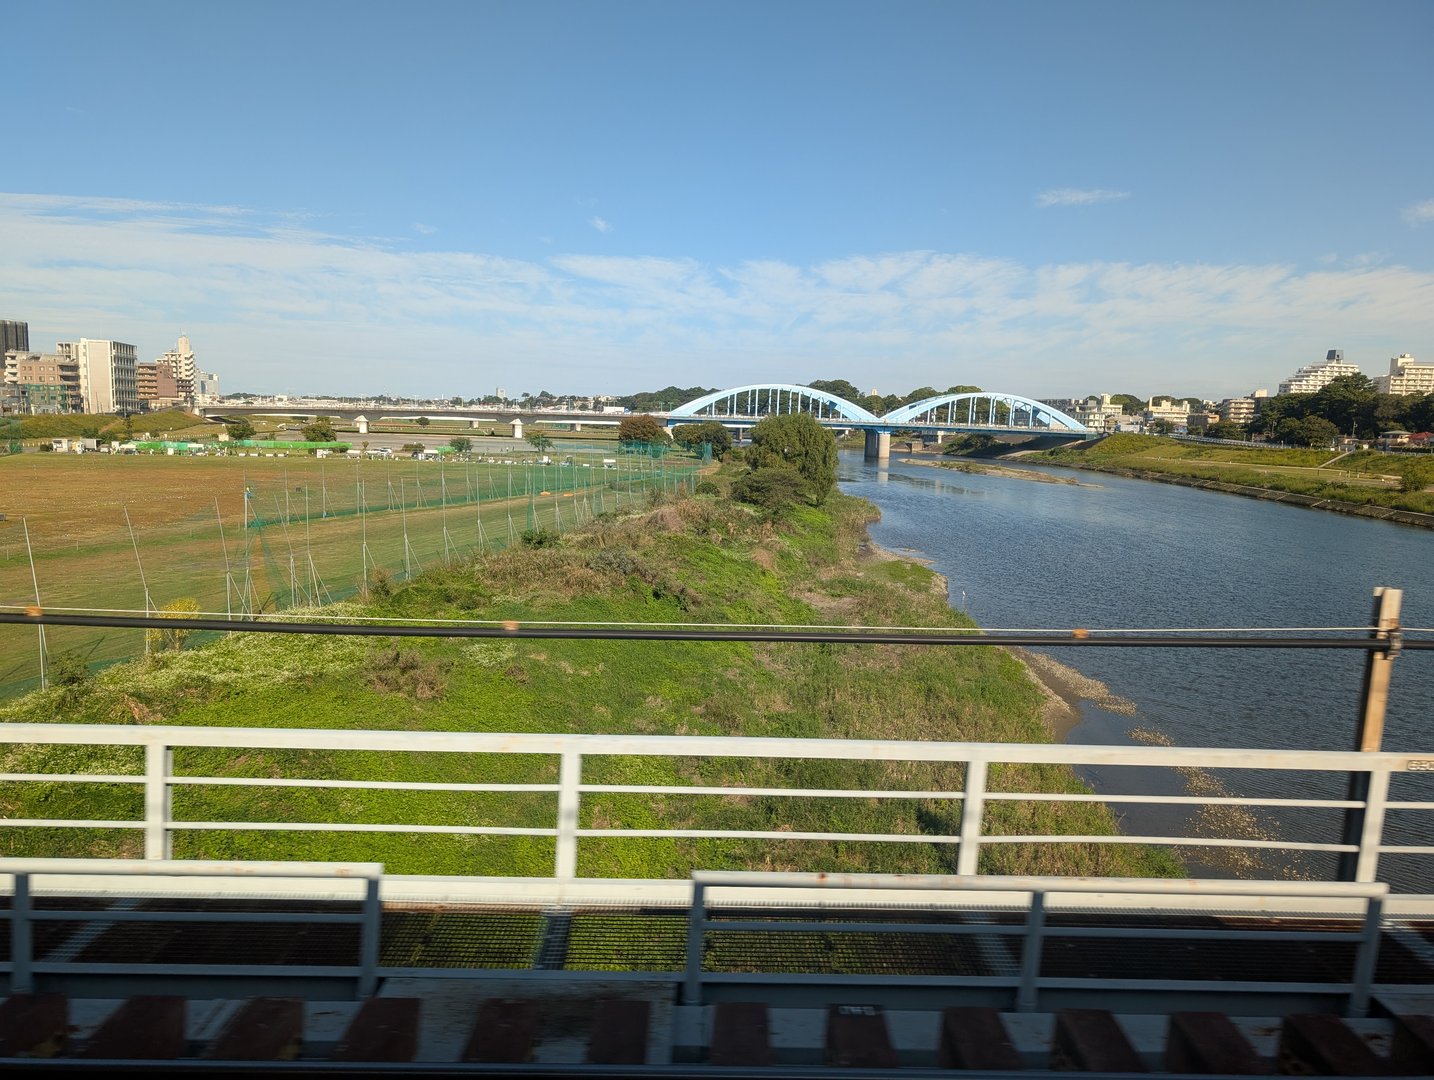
x=1036, y=197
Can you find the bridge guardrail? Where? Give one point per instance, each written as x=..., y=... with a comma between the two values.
x=159, y=779
x=1033, y=931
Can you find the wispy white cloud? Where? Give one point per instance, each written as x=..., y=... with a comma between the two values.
x=424, y=230
x=1078, y=196
x=258, y=291
x=599, y=224
x=1420, y=213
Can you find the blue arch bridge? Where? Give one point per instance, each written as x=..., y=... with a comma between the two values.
x=980, y=412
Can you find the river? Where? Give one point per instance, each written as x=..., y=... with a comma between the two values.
x=1118, y=553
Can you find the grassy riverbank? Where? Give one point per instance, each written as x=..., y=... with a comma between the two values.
x=698, y=559
x=1363, y=478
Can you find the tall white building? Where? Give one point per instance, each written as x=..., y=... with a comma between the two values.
x=206, y=387
x=181, y=360
x=1406, y=377
x=108, y=382
x=1315, y=377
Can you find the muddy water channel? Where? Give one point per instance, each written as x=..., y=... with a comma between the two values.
x=1113, y=553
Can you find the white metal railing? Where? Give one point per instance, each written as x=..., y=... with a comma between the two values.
x=159, y=780
x=1034, y=930
x=23, y=914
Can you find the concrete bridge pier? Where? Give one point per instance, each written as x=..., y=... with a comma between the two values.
x=878, y=446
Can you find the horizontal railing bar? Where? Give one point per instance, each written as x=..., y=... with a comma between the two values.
x=961, y=929
x=813, y=793
x=772, y=834
x=1176, y=933
x=1394, y=805
x=192, y=868
x=633, y=633
x=1405, y=849
x=1049, y=983
x=74, y=778
x=172, y=967
x=1051, y=886
x=352, y=826
x=129, y=915
x=69, y=823
x=716, y=746
x=1172, y=800
x=256, y=781
x=1180, y=841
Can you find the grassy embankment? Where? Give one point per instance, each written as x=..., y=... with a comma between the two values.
x=701, y=559
x=1365, y=477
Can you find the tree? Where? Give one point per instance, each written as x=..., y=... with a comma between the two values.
x=158, y=639
x=642, y=429
x=1316, y=431
x=1162, y=427
x=797, y=441
x=709, y=431
x=1225, y=430
x=775, y=488
x=461, y=444
x=321, y=430
x=423, y=421
x=1129, y=404
x=837, y=388
x=241, y=427
x=539, y=441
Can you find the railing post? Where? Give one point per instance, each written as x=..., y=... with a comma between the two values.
x=1370, y=736
x=158, y=765
x=1372, y=827
x=570, y=775
x=1033, y=942
x=370, y=934
x=972, y=810
x=1366, y=960
x=696, y=934
x=22, y=980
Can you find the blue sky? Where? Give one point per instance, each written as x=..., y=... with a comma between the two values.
x=431, y=198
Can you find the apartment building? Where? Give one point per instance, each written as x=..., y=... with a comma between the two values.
x=1169, y=410
x=157, y=386
x=1242, y=410
x=108, y=379
x=1315, y=377
x=14, y=336
x=42, y=383
x=1406, y=376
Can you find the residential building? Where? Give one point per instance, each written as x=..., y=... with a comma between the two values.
x=107, y=374
x=157, y=387
x=42, y=383
x=1315, y=377
x=1406, y=377
x=1176, y=413
x=1098, y=413
x=1242, y=410
x=14, y=336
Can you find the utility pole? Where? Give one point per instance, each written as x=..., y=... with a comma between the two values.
x=1378, y=666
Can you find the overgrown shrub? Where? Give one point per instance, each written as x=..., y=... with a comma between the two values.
x=539, y=538
x=407, y=671
x=706, y=487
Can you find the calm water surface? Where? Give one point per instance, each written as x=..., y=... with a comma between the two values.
x=1129, y=553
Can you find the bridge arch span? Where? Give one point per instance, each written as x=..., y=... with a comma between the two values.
x=984, y=408
x=766, y=399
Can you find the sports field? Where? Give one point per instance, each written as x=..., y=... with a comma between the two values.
x=239, y=535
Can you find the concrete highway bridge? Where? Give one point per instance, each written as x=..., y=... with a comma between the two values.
x=739, y=408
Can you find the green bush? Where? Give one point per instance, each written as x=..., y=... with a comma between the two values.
x=775, y=488
x=539, y=538
x=706, y=487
